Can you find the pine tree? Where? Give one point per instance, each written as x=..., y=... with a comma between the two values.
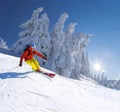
x=3, y=44
x=57, y=40
x=35, y=30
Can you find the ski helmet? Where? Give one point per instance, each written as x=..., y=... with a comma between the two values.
x=33, y=45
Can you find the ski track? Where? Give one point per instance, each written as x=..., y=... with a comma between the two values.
x=38, y=94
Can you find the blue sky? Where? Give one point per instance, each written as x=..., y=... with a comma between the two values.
x=100, y=17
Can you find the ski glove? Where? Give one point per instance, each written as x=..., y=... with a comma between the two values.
x=20, y=64
x=45, y=58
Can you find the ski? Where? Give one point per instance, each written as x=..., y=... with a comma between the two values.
x=48, y=74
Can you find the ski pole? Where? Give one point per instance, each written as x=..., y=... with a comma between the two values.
x=14, y=68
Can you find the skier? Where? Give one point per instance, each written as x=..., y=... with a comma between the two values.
x=28, y=56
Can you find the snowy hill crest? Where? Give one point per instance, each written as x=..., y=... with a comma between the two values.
x=22, y=90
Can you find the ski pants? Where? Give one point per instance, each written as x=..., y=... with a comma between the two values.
x=33, y=63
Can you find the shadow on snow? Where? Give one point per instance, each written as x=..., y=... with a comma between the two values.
x=13, y=75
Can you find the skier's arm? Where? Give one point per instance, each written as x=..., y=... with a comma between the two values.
x=22, y=57
x=40, y=55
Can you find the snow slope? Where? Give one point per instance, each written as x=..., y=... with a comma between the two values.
x=22, y=90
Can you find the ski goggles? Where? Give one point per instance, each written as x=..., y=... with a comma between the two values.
x=33, y=46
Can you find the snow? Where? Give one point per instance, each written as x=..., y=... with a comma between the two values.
x=22, y=90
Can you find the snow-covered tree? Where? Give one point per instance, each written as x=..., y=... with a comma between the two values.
x=3, y=44
x=67, y=49
x=35, y=30
x=77, y=57
x=30, y=27
x=57, y=39
x=85, y=70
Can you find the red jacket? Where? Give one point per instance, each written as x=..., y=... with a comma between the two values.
x=29, y=54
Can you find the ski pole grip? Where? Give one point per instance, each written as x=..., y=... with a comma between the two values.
x=20, y=64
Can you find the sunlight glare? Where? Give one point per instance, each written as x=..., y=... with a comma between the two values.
x=97, y=66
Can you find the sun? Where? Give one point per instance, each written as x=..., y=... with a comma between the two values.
x=97, y=66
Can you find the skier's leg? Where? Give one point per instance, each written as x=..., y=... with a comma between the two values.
x=34, y=64
x=36, y=67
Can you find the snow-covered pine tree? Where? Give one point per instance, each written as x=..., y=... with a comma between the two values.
x=35, y=30
x=85, y=65
x=42, y=37
x=66, y=50
x=29, y=30
x=78, y=61
x=57, y=39
x=3, y=44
